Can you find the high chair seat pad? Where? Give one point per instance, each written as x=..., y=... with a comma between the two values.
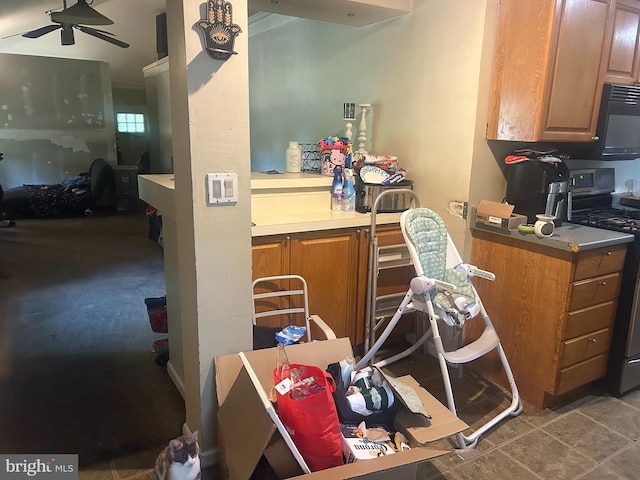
x=428, y=233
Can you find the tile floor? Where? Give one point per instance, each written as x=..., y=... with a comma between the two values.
x=595, y=437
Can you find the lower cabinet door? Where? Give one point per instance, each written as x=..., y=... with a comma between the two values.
x=329, y=263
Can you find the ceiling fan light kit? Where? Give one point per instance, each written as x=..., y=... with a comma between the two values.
x=66, y=36
x=77, y=16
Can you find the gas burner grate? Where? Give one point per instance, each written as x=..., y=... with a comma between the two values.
x=610, y=219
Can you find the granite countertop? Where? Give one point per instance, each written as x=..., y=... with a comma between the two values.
x=569, y=236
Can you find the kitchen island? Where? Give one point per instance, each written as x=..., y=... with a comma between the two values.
x=553, y=305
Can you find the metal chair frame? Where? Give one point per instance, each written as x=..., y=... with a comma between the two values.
x=288, y=296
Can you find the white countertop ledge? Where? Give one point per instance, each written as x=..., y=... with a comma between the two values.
x=270, y=181
x=295, y=222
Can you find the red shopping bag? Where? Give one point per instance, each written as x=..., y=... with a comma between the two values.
x=312, y=421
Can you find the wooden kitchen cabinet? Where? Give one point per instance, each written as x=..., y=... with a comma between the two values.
x=623, y=58
x=327, y=260
x=553, y=311
x=335, y=265
x=548, y=70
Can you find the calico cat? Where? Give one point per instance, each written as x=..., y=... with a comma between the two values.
x=180, y=460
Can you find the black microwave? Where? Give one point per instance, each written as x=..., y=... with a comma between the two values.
x=618, y=130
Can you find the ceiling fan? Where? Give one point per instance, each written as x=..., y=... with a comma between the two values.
x=77, y=16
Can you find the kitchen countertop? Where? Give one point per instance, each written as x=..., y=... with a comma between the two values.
x=301, y=212
x=569, y=237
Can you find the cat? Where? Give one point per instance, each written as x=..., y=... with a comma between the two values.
x=180, y=460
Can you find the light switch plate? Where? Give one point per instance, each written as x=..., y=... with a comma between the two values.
x=222, y=188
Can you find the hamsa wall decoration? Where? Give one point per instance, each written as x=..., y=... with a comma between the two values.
x=218, y=30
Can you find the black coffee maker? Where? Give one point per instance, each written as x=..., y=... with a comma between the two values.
x=534, y=187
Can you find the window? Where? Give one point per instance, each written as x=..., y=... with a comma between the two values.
x=130, y=122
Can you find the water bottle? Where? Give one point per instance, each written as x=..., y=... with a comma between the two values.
x=346, y=368
x=282, y=362
x=348, y=191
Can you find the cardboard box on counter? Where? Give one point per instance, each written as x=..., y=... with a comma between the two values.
x=499, y=215
x=248, y=426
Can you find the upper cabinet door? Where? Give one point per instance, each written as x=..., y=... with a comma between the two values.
x=548, y=70
x=624, y=55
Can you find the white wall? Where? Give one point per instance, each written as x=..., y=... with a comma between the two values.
x=56, y=117
x=420, y=71
x=157, y=87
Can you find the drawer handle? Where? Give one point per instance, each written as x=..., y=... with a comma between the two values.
x=602, y=282
x=593, y=340
x=608, y=254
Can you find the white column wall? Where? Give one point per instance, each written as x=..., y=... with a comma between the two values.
x=209, y=118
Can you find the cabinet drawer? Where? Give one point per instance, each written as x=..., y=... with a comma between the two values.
x=590, y=319
x=586, y=346
x=594, y=290
x=581, y=373
x=599, y=262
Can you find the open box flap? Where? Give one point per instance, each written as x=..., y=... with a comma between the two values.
x=244, y=427
x=503, y=210
x=227, y=369
x=420, y=430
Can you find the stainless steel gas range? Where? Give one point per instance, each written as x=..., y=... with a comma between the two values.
x=592, y=205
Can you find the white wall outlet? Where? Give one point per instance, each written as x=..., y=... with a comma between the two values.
x=222, y=188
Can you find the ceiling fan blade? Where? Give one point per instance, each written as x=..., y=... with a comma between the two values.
x=80, y=13
x=101, y=36
x=38, y=32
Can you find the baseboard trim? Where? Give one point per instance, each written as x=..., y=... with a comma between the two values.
x=175, y=378
x=208, y=457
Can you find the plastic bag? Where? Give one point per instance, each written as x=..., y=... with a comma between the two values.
x=290, y=334
x=312, y=421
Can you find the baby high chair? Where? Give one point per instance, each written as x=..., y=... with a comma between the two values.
x=443, y=290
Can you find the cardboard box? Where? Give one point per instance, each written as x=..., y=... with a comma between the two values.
x=249, y=427
x=499, y=215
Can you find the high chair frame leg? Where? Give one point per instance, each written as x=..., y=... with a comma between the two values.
x=514, y=409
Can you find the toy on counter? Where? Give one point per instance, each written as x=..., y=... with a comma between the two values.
x=335, y=151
